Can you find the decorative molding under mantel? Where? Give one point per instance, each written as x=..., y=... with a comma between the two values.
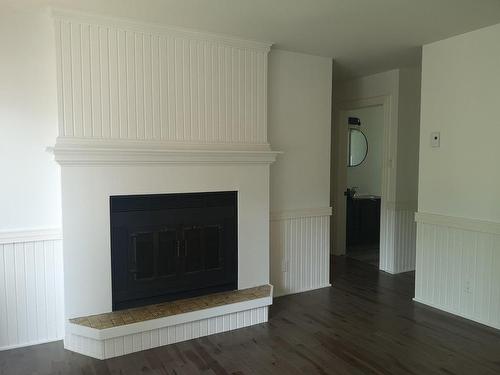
x=79, y=152
x=30, y=235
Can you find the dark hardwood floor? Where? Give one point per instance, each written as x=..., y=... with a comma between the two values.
x=365, y=324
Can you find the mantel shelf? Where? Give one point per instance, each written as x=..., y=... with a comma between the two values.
x=87, y=153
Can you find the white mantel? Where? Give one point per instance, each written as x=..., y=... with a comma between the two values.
x=72, y=152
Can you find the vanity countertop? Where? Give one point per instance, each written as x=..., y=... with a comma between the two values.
x=366, y=196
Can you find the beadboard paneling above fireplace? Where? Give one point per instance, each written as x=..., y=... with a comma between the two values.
x=122, y=81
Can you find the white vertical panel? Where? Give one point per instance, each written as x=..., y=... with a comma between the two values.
x=398, y=238
x=300, y=253
x=31, y=292
x=158, y=86
x=457, y=271
x=405, y=241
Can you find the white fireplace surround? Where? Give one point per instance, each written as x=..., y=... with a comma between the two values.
x=145, y=109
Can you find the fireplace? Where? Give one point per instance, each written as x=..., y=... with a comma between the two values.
x=172, y=246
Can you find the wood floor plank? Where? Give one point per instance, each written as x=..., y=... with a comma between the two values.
x=366, y=323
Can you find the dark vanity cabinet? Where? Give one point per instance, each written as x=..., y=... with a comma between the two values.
x=363, y=222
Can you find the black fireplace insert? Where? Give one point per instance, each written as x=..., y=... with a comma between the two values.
x=172, y=246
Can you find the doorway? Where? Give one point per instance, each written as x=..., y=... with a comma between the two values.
x=365, y=136
x=384, y=178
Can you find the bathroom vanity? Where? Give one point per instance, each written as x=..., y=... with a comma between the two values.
x=363, y=221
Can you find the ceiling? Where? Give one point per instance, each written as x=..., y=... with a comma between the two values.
x=364, y=36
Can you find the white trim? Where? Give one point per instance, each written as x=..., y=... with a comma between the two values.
x=155, y=28
x=29, y=343
x=458, y=222
x=77, y=152
x=30, y=235
x=388, y=191
x=302, y=290
x=148, y=325
x=300, y=213
x=453, y=312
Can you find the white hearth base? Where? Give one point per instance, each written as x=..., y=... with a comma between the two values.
x=117, y=341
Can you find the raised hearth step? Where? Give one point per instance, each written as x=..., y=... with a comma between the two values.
x=122, y=332
x=162, y=310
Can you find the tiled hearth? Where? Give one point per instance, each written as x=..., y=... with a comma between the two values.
x=162, y=310
x=127, y=331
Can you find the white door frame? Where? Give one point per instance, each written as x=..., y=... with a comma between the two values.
x=339, y=173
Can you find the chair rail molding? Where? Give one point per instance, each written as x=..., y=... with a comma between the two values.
x=300, y=213
x=474, y=225
x=30, y=235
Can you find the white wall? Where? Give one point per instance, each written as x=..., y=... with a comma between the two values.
x=408, y=137
x=299, y=125
x=460, y=98
x=458, y=247
x=28, y=122
x=31, y=287
x=368, y=175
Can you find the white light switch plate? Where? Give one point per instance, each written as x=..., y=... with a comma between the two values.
x=435, y=139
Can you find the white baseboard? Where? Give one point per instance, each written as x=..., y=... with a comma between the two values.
x=453, y=312
x=277, y=294
x=30, y=343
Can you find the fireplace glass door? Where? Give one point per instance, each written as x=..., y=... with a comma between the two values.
x=172, y=246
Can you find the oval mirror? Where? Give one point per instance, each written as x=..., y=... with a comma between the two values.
x=358, y=147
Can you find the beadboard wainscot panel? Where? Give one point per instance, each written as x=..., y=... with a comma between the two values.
x=458, y=266
x=405, y=241
x=398, y=233
x=300, y=250
x=31, y=287
x=387, y=231
x=122, y=80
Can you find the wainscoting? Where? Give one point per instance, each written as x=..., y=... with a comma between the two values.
x=31, y=288
x=458, y=267
x=121, y=80
x=398, y=233
x=300, y=250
